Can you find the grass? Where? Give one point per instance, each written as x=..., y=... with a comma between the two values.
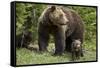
x=25, y=56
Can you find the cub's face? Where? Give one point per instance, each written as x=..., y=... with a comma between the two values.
x=57, y=16
x=76, y=45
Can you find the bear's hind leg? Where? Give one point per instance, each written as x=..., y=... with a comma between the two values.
x=68, y=44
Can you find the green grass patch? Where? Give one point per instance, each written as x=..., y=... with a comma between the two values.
x=25, y=56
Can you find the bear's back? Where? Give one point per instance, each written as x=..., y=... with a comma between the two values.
x=75, y=23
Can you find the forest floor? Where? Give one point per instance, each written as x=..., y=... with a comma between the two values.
x=26, y=56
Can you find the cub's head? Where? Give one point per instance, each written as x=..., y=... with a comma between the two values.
x=57, y=16
x=76, y=45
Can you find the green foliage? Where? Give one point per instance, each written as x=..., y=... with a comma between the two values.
x=25, y=56
x=27, y=17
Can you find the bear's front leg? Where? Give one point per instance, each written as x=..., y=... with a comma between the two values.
x=82, y=54
x=43, y=37
x=73, y=55
x=59, y=42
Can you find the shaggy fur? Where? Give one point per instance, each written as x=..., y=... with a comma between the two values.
x=64, y=24
x=24, y=39
x=76, y=49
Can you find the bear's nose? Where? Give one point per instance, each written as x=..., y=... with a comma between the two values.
x=78, y=46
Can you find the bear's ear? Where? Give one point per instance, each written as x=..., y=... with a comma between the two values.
x=53, y=8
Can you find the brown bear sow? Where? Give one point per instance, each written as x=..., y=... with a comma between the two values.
x=64, y=24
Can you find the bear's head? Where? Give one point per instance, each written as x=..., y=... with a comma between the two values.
x=57, y=16
x=76, y=45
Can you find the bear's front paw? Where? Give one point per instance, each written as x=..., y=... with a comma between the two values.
x=57, y=54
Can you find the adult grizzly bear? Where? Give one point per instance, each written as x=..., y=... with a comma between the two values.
x=64, y=24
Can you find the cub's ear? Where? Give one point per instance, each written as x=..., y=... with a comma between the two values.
x=53, y=8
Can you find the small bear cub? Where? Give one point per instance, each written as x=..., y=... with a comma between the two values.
x=76, y=49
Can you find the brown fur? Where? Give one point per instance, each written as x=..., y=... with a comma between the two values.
x=76, y=49
x=24, y=39
x=64, y=29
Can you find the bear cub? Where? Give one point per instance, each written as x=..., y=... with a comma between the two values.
x=76, y=49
